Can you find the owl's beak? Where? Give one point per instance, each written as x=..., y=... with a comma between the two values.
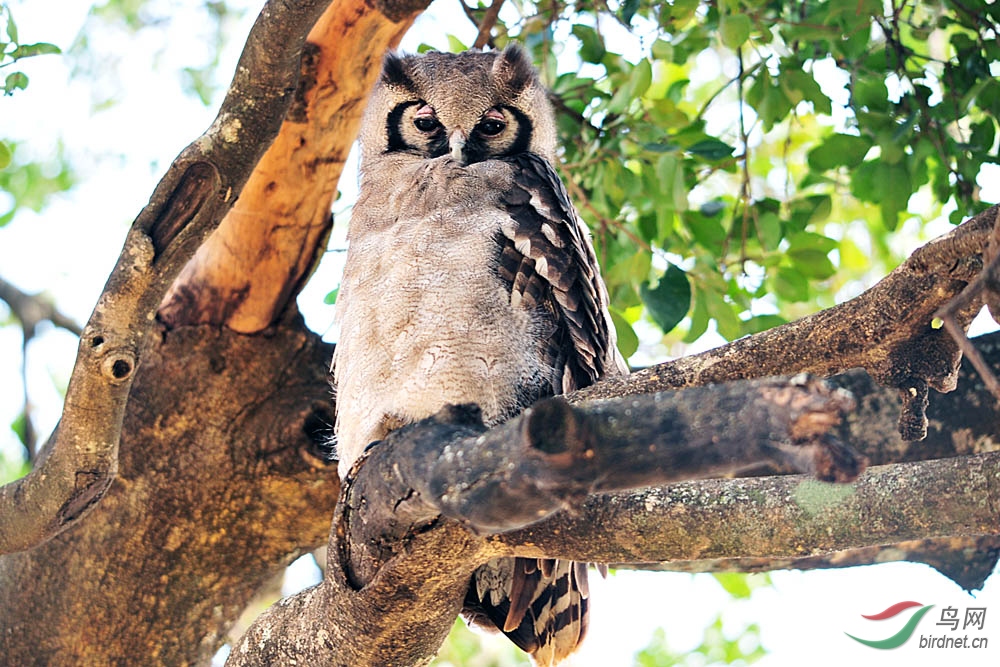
x=456, y=142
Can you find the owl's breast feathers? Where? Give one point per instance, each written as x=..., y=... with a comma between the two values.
x=466, y=284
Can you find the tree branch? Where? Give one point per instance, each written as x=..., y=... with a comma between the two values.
x=775, y=517
x=985, y=288
x=32, y=309
x=249, y=271
x=554, y=454
x=966, y=560
x=197, y=190
x=486, y=25
x=765, y=518
x=887, y=330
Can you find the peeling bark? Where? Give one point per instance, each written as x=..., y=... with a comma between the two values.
x=251, y=268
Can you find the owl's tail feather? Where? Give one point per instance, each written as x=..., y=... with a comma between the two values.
x=540, y=604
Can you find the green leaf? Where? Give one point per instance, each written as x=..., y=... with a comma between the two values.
x=592, y=48
x=769, y=230
x=635, y=86
x=800, y=86
x=455, y=45
x=727, y=323
x=759, y=323
x=768, y=99
x=662, y=50
x=983, y=134
x=331, y=296
x=670, y=300
x=630, y=270
x=870, y=91
x=887, y=184
x=5, y=155
x=20, y=428
x=628, y=10
x=734, y=30
x=898, y=189
x=15, y=81
x=672, y=194
x=790, y=284
x=39, y=49
x=839, y=149
x=699, y=318
x=812, y=263
x=707, y=231
x=711, y=149
x=11, y=26
x=811, y=241
x=682, y=11
x=811, y=210
x=734, y=583
x=628, y=341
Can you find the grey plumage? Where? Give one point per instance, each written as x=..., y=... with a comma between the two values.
x=470, y=278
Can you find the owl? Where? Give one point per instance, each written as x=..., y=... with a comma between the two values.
x=470, y=278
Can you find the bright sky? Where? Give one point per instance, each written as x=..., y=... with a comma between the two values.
x=121, y=151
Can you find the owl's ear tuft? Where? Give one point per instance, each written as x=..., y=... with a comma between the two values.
x=394, y=71
x=512, y=69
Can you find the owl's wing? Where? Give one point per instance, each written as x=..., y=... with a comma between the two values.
x=547, y=261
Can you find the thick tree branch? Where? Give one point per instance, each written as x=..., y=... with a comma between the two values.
x=250, y=270
x=554, y=455
x=770, y=517
x=199, y=187
x=887, y=330
x=775, y=517
x=213, y=499
x=450, y=467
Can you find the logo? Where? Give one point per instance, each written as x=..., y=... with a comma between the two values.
x=975, y=619
x=898, y=639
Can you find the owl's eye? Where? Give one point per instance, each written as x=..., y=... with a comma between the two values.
x=425, y=119
x=492, y=127
x=426, y=123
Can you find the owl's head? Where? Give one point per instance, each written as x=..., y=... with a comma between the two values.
x=474, y=106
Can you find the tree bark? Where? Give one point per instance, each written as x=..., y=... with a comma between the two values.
x=253, y=266
x=213, y=497
x=81, y=460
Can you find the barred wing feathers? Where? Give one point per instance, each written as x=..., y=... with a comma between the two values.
x=548, y=263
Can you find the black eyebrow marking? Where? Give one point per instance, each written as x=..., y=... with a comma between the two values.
x=396, y=142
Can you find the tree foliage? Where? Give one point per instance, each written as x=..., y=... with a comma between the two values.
x=758, y=153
